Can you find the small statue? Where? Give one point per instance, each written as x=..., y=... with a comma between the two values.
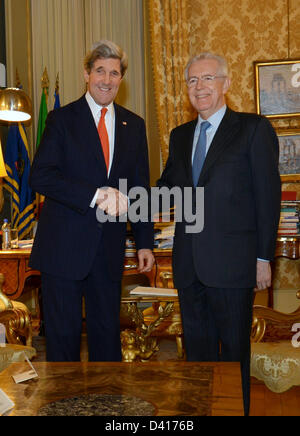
x=130, y=350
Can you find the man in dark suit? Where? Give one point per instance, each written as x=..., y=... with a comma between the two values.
x=234, y=156
x=87, y=148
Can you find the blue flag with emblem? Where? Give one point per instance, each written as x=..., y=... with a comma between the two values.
x=17, y=165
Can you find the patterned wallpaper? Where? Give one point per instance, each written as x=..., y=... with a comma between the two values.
x=245, y=31
x=294, y=29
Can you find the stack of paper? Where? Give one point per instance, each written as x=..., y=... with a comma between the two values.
x=6, y=405
x=163, y=292
x=26, y=243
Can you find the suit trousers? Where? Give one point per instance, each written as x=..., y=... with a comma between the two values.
x=62, y=307
x=217, y=327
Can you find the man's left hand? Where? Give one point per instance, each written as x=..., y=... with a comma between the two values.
x=146, y=260
x=263, y=275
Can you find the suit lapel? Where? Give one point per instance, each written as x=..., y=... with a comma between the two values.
x=187, y=150
x=88, y=129
x=120, y=131
x=222, y=139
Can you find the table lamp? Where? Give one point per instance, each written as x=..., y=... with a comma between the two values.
x=15, y=105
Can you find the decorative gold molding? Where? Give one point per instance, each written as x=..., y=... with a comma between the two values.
x=290, y=178
x=16, y=318
x=139, y=344
x=17, y=323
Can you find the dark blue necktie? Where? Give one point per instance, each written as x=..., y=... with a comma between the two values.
x=200, y=152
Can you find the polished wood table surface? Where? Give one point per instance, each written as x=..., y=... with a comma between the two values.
x=173, y=388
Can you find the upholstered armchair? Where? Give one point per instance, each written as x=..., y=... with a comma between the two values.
x=275, y=354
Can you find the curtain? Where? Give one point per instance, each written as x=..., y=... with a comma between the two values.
x=169, y=30
x=121, y=21
x=63, y=31
x=58, y=44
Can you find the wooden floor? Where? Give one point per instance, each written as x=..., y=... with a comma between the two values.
x=267, y=403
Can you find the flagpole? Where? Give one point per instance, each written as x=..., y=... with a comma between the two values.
x=41, y=125
x=45, y=84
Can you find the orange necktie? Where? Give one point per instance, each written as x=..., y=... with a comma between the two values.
x=104, y=136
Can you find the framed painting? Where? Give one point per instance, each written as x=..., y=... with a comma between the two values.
x=289, y=158
x=277, y=88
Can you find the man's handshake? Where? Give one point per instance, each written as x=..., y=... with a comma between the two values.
x=112, y=201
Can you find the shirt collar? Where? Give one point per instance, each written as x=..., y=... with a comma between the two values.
x=214, y=119
x=96, y=108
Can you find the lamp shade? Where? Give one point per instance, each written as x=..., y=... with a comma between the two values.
x=15, y=105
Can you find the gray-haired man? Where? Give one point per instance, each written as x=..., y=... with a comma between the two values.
x=88, y=145
x=234, y=156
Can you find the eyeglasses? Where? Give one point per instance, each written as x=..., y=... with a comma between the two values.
x=192, y=82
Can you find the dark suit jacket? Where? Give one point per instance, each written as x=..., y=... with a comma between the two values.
x=241, y=201
x=68, y=168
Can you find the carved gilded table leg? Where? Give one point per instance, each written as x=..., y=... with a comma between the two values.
x=139, y=344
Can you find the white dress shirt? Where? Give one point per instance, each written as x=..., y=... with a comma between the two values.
x=110, y=127
x=109, y=122
x=215, y=121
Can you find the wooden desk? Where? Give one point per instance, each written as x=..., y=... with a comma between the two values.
x=18, y=275
x=173, y=388
x=14, y=266
x=161, y=275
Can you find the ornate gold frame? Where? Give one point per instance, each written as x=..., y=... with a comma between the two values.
x=289, y=178
x=261, y=64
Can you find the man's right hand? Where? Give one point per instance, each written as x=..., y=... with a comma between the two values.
x=112, y=201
